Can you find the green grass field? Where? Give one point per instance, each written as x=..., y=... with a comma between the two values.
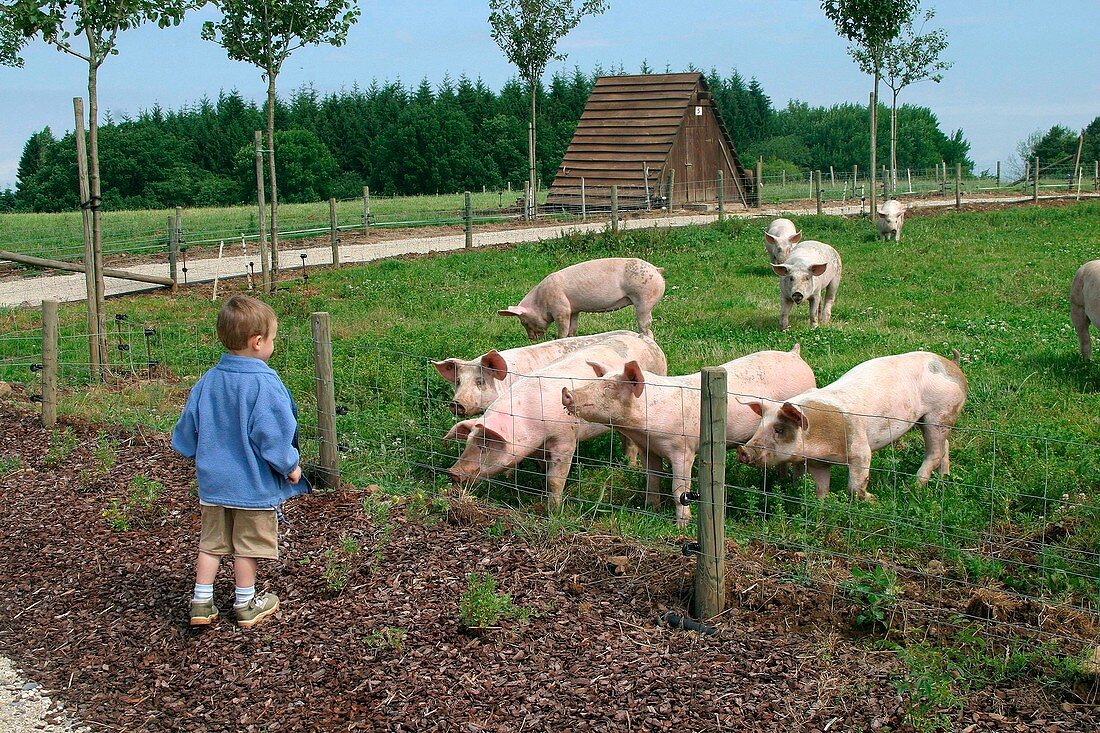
x=1021, y=508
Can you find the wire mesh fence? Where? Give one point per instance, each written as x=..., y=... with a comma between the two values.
x=1008, y=540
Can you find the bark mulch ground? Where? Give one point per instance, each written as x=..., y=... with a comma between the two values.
x=98, y=616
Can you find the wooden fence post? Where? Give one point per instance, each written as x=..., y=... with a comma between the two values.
x=998, y=174
x=329, y=473
x=528, y=209
x=333, y=232
x=49, y=363
x=258, y=143
x=1035, y=192
x=958, y=185
x=468, y=218
x=366, y=207
x=584, y=204
x=671, y=188
x=855, y=178
x=614, y=209
x=710, y=564
x=760, y=182
x=817, y=190
x=95, y=350
x=832, y=177
x=721, y=195
x=173, y=252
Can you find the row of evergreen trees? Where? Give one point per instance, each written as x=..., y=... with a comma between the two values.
x=398, y=140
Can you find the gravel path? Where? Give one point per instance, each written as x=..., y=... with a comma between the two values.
x=24, y=707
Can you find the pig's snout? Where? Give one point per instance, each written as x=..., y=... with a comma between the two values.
x=567, y=401
x=457, y=408
x=797, y=297
x=744, y=454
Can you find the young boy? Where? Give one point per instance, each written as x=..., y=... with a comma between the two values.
x=240, y=426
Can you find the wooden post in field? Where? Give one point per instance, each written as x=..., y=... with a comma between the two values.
x=1076, y=160
x=584, y=204
x=173, y=252
x=366, y=207
x=671, y=188
x=855, y=178
x=1096, y=174
x=49, y=363
x=258, y=142
x=817, y=190
x=645, y=182
x=759, y=181
x=784, y=174
x=96, y=345
x=721, y=195
x=528, y=210
x=710, y=564
x=614, y=209
x=832, y=177
x=468, y=220
x=909, y=179
x=329, y=474
x=998, y=174
x=958, y=185
x=333, y=232
x=1035, y=192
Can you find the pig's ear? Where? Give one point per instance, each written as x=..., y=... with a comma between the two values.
x=495, y=364
x=461, y=431
x=781, y=270
x=598, y=368
x=448, y=369
x=488, y=435
x=770, y=238
x=566, y=397
x=632, y=374
x=795, y=238
x=819, y=269
x=755, y=405
x=881, y=214
x=792, y=414
x=515, y=310
x=796, y=349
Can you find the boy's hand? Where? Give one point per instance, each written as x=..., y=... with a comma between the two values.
x=294, y=475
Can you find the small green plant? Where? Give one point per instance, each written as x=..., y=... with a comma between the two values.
x=117, y=515
x=145, y=493
x=62, y=445
x=105, y=452
x=340, y=563
x=481, y=606
x=392, y=637
x=142, y=499
x=874, y=592
x=425, y=508
x=10, y=465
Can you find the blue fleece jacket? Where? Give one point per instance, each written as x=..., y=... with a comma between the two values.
x=240, y=425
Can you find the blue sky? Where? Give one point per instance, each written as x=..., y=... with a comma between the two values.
x=1019, y=66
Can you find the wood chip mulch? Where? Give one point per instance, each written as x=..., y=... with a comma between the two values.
x=98, y=616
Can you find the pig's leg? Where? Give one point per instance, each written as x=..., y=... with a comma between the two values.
x=827, y=304
x=653, y=480
x=644, y=313
x=814, y=302
x=681, y=484
x=632, y=451
x=573, y=324
x=1081, y=326
x=559, y=460
x=859, y=470
x=566, y=321
x=820, y=473
x=785, y=313
x=935, y=450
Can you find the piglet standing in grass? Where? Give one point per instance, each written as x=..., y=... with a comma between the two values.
x=479, y=381
x=661, y=414
x=780, y=239
x=596, y=286
x=527, y=420
x=1084, y=304
x=891, y=218
x=869, y=407
x=811, y=273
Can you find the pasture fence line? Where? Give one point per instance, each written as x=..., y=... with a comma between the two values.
x=171, y=233
x=1007, y=544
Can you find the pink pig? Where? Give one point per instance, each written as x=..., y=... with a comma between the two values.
x=780, y=239
x=661, y=414
x=527, y=419
x=869, y=407
x=596, y=286
x=479, y=381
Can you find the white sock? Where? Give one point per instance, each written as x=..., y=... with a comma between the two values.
x=244, y=595
x=203, y=592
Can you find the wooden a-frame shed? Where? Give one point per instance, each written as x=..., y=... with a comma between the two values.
x=643, y=132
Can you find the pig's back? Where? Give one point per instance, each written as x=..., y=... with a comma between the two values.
x=896, y=386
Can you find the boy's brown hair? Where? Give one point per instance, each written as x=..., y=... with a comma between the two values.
x=241, y=318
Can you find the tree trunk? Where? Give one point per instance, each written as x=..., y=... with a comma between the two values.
x=532, y=176
x=874, y=145
x=271, y=172
x=96, y=189
x=894, y=144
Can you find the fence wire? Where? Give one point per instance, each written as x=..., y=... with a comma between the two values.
x=1008, y=543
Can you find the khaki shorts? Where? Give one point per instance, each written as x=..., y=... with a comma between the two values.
x=240, y=532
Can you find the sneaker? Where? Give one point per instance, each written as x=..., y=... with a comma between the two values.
x=203, y=613
x=256, y=610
